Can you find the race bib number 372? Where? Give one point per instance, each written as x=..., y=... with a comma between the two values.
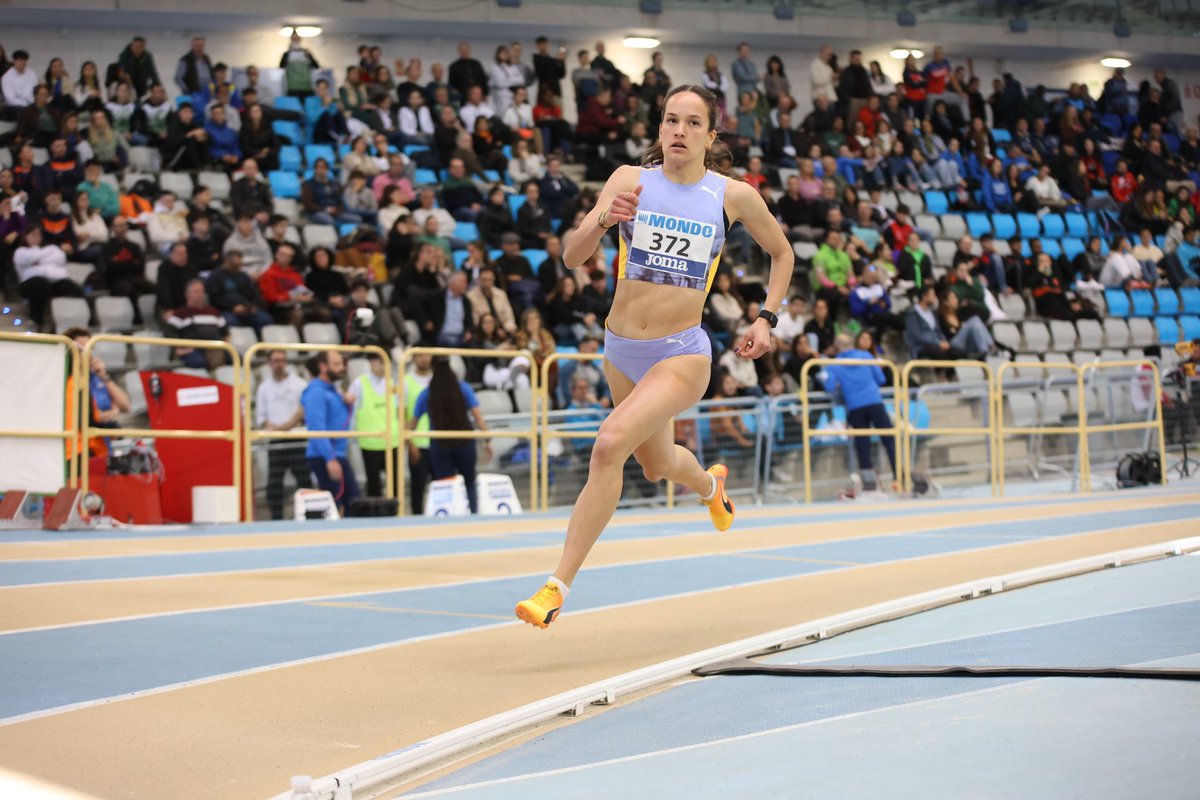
x=670, y=244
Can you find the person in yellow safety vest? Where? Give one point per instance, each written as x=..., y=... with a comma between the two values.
x=420, y=467
x=370, y=414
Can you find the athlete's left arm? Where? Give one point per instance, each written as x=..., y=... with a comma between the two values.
x=746, y=206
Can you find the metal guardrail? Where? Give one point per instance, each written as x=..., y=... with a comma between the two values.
x=1003, y=430
x=1155, y=424
x=231, y=434
x=895, y=431
x=515, y=433
x=250, y=435
x=77, y=372
x=988, y=430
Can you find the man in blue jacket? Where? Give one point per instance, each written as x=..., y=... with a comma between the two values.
x=327, y=409
x=859, y=385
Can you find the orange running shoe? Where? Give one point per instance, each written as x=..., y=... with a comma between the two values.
x=720, y=508
x=541, y=609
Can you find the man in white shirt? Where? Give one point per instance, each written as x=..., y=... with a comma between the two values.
x=1045, y=188
x=791, y=322
x=277, y=408
x=474, y=108
x=820, y=75
x=445, y=220
x=18, y=82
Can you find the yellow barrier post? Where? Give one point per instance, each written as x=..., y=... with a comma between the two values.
x=531, y=434
x=77, y=372
x=1002, y=430
x=989, y=431
x=253, y=436
x=232, y=434
x=1155, y=424
x=895, y=431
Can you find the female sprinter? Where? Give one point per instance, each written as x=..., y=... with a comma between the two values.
x=673, y=215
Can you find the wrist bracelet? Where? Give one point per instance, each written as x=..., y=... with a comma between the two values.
x=603, y=218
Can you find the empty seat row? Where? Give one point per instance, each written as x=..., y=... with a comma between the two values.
x=1163, y=301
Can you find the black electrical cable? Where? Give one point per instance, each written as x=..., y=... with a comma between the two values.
x=744, y=666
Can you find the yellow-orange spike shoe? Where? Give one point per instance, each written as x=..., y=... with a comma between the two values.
x=543, y=607
x=720, y=507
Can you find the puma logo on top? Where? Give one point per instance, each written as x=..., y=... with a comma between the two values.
x=711, y=191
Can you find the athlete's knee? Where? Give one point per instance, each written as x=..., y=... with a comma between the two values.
x=610, y=449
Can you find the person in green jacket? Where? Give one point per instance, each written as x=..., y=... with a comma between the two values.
x=371, y=411
x=832, y=273
x=100, y=194
x=419, y=464
x=970, y=291
x=913, y=265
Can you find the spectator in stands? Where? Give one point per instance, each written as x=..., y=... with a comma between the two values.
x=258, y=139
x=42, y=274
x=298, y=64
x=277, y=408
x=428, y=210
x=186, y=145
x=1122, y=270
x=248, y=240
x=466, y=72
x=396, y=175
x=525, y=166
x=197, y=319
x=174, y=274
x=38, y=122
x=1188, y=255
x=122, y=267
x=55, y=223
x=821, y=73
x=533, y=220
x=138, y=65
x=203, y=251
x=460, y=196
x=1045, y=191
x=151, y=119
x=106, y=144
x=968, y=334
x=329, y=286
x=194, y=72
x=1049, y=297
x=832, y=274
x=567, y=316
x=744, y=71
x=327, y=408
x=990, y=266
x=201, y=207
x=415, y=121
x=19, y=82
x=62, y=172
x=822, y=326
x=997, y=198
x=91, y=233
x=1149, y=255
x=359, y=199
x=972, y=294
x=224, y=145
x=167, y=224
x=534, y=337
x=87, y=92
x=1123, y=183
x=495, y=219
x=503, y=77
x=871, y=304
x=446, y=318
x=922, y=330
x=235, y=295
x=475, y=107
x=321, y=198
x=549, y=69
x=597, y=299
x=283, y=290
x=487, y=298
x=859, y=389
x=556, y=188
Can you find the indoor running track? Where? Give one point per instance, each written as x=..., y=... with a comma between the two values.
x=220, y=662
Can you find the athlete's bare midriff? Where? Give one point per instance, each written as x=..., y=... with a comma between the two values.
x=644, y=310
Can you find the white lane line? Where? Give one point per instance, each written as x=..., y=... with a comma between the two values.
x=714, y=743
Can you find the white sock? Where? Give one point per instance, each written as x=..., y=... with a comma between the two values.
x=562, y=587
x=711, y=492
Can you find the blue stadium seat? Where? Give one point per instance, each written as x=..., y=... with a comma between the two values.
x=467, y=231
x=1077, y=225
x=1001, y=135
x=1004, y=226
x=344, y=150
x=314, y=151
x=286, y=103
x=515, y=201
x=1168, y=330
x=495, y=253
x=535, y=257
x=1171, y=141
x=1053, y=226
x=289, y=158
x=1168, y=302
x=1191, y=328
x=1117, y=302
x=1143, y=302
x=312, y=109
x=1189, y=299
x=493, y=176
x=413, y=149
x=347, y=228
x=1052, y=248
x=459, y=257
x=1109, y=159
x=1072, y=248
x=1112, y=123
x=284, y=184
x=1030, y=227
x=978, y=224
x=936, y=203
x=426, y=177
x=289, y=130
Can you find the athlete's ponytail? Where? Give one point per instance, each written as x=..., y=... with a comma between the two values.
x=653, y=155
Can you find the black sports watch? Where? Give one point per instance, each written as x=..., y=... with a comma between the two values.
x=769, y=317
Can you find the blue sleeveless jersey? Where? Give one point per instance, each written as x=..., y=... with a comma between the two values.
x=677, y=235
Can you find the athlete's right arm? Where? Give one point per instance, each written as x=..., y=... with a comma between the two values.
x=618, y=203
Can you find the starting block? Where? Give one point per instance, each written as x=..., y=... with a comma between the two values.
x=64, y=511
x=314, y=504
x=448, y=497
x=15, y=510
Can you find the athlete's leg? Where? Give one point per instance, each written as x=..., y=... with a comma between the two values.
x=670, y=387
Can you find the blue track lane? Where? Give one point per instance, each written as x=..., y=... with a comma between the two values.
x=1028, y=627
x=76, y=664
x=39, y=571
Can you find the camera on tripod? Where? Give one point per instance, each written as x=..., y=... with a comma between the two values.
x=359, y=330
